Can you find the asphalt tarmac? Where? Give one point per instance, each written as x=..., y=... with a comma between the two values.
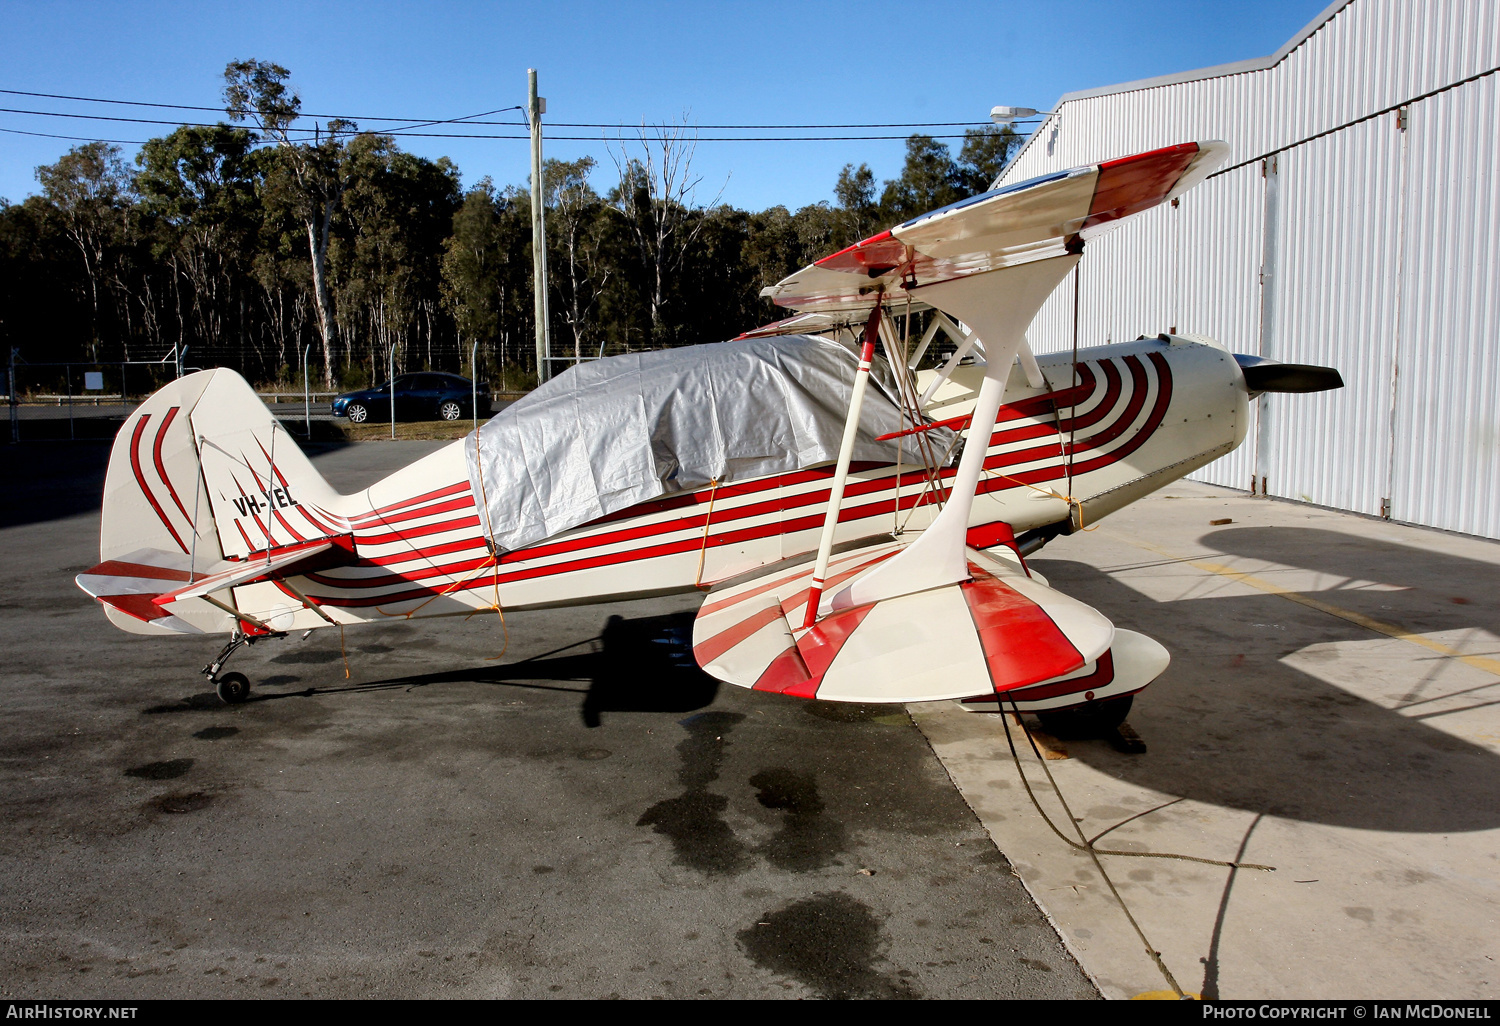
x=577, y=812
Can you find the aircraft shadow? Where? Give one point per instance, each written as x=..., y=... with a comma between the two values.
x=51, y=480
x=1230, y=723
x=644, y=664
x=1440, y=591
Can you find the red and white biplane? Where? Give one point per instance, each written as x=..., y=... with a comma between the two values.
x=862, y=525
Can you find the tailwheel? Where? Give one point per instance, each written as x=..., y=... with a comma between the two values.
x=232, y=688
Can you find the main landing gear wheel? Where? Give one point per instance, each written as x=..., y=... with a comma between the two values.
x=1092, y=719
x=233, y=688
x=357, y=414
x=450, y=410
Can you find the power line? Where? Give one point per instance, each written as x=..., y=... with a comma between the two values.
x=75, y=138
x=410, y=133
x=201, y=124
x=558, y=124
x=559, y=138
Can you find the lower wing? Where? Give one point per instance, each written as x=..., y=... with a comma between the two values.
x=999, y=631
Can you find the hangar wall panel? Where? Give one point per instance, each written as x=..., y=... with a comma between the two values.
x=1447, y=467
x=1369, y=248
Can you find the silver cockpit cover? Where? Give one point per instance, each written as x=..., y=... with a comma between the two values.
x=611, y=433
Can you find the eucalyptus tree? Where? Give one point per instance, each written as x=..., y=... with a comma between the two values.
x=985, y=153
x=311, y=177
x=929, y=179
x=89, y=188
x=578, y=229
x=858, y=213
x=199, y=197
x=387, y=250
x=486, y=284
x=657, y=196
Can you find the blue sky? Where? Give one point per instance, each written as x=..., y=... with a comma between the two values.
x=616, y=63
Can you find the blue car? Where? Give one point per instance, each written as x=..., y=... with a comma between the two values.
x=425, y=395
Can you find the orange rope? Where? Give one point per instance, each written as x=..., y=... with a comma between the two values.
x=707, y=520
x=1072, y=502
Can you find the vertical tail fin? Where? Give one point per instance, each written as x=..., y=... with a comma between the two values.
x=201, y=473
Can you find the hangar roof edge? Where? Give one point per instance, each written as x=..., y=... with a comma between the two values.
x=1217, y=70
x=1194, y=75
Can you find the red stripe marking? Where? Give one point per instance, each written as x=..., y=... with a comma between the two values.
x=879, y=507
x=296, y=535
x=385, y=580
x=1102, y=676
x=254, y=513
x=776, y=582
x=1021, y=643
x=331, y=523
x=786, y=672
x=711, y=648
x=142, y=607
x=1033, y=407
x=1131, y=184
x=431, y=551
x=140, y=478
x=271, y=502
x=416, y=514
x=883, y=251
x=438, y=493
x=161, y=470
x=1153, y=421
x=804, y=597
x=117, y=568
x=421, y=531
x=820, y=646
x=1139, y=385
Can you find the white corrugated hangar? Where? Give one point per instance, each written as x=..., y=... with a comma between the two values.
x=1356, y=225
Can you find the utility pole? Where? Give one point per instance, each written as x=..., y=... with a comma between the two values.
x=536, y=106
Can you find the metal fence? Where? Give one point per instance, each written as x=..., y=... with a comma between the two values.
x=89, y=401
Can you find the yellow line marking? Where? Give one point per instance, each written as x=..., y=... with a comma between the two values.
x=1390, y=630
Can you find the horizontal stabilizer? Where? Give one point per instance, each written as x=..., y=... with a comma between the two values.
x=129, y=586
x=278, y=564
x=998, y=631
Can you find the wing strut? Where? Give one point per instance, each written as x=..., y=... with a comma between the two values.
x=841, y=472
x=999, y=307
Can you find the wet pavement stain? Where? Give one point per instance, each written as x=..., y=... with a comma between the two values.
x=807, y=840
x=829, y=942
x=177, y=804
x=169, y=770
x=694, y=820
x=314, y=658
x=216, y=733
x=204, y=701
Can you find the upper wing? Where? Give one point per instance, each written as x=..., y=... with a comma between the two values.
x=1033, y=220
x=999, y=631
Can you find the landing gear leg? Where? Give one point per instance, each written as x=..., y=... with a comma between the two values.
x=232, y=688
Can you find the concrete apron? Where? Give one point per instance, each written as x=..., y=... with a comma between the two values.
x=1332, y=710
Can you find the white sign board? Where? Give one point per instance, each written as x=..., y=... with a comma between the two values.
x=93, y=380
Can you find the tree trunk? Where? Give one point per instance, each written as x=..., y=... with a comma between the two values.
x=317, y=244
